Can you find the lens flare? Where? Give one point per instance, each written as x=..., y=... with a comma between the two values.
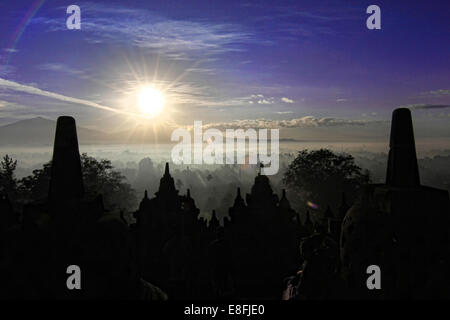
x=312, y=205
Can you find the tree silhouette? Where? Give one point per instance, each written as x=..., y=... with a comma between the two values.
x=320, y=176
x=8, y=182
x=99, y=177
x=35, y=187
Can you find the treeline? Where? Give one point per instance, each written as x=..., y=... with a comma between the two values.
x=99, y=178
x=314, y=176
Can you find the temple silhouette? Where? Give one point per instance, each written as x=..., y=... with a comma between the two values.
x=401, y=226
x=67, y=228
x=263, y=249
x=189, y=256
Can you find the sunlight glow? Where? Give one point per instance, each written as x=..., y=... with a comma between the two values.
x=151, y=101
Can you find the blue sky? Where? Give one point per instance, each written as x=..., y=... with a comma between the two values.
x=312, y=69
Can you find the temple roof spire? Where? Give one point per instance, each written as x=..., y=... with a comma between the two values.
x=166, y=169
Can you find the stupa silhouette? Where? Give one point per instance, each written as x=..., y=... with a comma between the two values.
x=68, y=228
x=400, y=226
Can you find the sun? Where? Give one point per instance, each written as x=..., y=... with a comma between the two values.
x=151, y=101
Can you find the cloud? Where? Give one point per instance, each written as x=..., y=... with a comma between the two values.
x=266, y=101
x=59, y=67
x=10, y=50
x=7, y=70
x=304, y=122
x=13, y=110
x=206, y=100
x=287, y=100
x=261, y=99
x=440, y=92
x=11, y=85
x=176, y=39
x=341, y=100
x=253, y=99
x=7, y=106
x=319, y=22
x=425, y=106
x=209, y=71
x=283, y=112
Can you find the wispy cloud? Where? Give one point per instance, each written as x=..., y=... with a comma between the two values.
x=287, y=100
x=176, y=39
x=261, y=99
x=12, y=111
x=295, y=22
x=204, y=100
x=209, y=71
x=6, y=106
x=425, y=106
x=59, y=67
x=7, y=70
x=283, y=112
x=266, y=101
x=11, y=85
x=440, y=92
x=308, y=121
x=10, y=50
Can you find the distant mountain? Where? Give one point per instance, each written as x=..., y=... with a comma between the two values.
x=41, y=132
